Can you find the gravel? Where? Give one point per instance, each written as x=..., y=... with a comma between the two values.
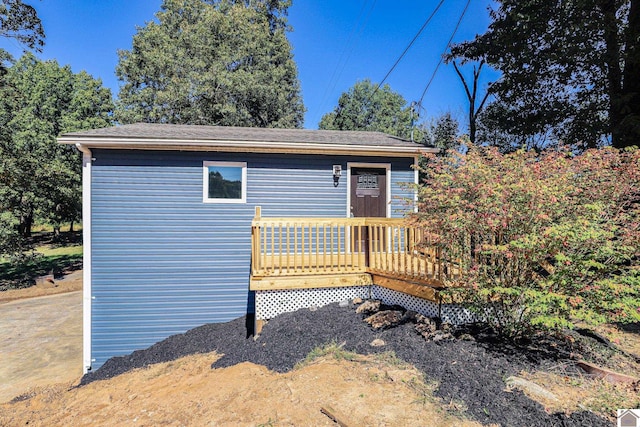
x=469, y=371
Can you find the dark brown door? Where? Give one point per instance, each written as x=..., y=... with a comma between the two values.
x=368, y=192
x=369, y=199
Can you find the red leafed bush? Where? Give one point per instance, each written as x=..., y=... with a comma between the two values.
x=547, y=238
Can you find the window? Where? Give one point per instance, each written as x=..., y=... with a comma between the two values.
x=225, y=182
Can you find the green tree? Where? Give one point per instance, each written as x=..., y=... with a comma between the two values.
x=19, y=21
x=40, y=179
x=443, y=133
x=365, y=106
x=570, y=70
x=212, y=62
x=497, y=128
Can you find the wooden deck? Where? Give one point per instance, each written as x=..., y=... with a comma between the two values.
x=294, y=253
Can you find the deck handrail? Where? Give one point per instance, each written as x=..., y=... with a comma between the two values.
x=294, y=246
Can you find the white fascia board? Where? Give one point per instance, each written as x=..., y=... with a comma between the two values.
x=244, y=146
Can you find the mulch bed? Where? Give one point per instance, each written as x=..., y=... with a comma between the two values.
x=469, y=370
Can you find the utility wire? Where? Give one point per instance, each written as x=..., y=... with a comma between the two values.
x=408, y=47
x=455, y=30
x=354, y=35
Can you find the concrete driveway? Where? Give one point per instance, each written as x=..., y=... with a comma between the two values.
x=40, y=342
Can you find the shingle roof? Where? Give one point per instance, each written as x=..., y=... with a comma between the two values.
x=191, y=137
x=230, y=133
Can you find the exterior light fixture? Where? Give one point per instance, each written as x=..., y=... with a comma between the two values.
x=337, y=172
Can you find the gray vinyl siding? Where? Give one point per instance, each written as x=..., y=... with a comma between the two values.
x=164, y=262
x=402, y=193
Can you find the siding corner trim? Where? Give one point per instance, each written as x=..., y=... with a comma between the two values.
x=86, y=257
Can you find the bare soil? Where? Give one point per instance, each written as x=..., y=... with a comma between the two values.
x=366, y=392
x=41, y=335
x=69, y=283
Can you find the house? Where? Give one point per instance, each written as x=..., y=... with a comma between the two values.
x=169, y=217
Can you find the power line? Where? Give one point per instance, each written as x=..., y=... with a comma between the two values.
x=406, y=49
x=455, y=30
x=349, y=47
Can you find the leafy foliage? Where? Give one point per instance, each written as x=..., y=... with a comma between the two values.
x=369, y=108
x=548, y=239
x=44, y=260
x=11, y=242
x=212, y=62
x=20, y=22
x=443, y=133
x=570, y=71
x=40, y=179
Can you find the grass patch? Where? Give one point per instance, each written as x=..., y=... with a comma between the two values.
x=331, y=349
x=60, y=251
x=48, y=228
x=51, y=255
x=391, y=359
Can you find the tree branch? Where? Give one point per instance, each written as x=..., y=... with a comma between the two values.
x=464, y=83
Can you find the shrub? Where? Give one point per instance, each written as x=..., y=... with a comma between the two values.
x=13, y=246
x=547, y=238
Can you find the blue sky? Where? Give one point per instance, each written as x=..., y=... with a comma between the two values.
x=335, y=44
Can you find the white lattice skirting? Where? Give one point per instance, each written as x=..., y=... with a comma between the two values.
x=269, y=304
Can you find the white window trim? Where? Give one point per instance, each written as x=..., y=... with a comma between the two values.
x=205, y=181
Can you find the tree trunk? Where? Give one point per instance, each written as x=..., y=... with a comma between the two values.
x=631, y=80
x=71, y=227
x=472, y=123
x=24, y=228
x=614, y=72
x=472, y=96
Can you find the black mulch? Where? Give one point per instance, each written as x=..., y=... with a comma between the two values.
x=469, y=371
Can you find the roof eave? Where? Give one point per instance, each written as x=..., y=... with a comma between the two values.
x=242, y=146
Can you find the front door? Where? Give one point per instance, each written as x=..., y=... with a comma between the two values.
x=368, y=192
x=369, y=199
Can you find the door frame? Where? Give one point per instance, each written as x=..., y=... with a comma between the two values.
x=386, y=166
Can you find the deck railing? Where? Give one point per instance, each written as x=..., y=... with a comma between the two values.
x=317, y=246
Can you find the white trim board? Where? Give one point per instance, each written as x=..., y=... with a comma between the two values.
x=243, y=146
x=87, y=298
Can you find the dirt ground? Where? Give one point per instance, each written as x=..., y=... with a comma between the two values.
x=69, y=283
x=366, y=392
x=41, y=335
